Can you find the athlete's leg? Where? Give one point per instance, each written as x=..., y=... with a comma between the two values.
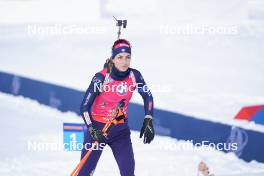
x=90, y=164
x=123, y=152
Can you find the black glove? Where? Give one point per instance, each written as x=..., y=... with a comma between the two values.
x=96, y=134
x=147, y=129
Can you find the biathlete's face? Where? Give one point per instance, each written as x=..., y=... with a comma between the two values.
x=122, y=61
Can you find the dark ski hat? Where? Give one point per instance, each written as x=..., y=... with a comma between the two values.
x=120, y=46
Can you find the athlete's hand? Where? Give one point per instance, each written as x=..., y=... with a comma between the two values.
x=147, y=130
x=96, y=134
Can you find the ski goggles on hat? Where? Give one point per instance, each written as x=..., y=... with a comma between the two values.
x=120, y=48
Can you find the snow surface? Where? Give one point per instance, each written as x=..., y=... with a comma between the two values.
x=24, y=121
x=210, y=76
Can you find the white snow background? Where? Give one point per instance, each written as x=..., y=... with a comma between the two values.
x=205, y=74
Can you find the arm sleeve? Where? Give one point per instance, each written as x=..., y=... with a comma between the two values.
x=89, y=97
x=145, y=93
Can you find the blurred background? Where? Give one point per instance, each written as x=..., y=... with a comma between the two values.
x=202, y=59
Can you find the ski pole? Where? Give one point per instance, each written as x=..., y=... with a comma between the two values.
x=105, y=131
x=77, y=169
x=113, y=121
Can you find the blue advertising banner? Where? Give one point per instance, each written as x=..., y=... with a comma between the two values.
x=250, y=143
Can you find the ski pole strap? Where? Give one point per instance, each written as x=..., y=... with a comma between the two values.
x=117, y=117
x=111, y=123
